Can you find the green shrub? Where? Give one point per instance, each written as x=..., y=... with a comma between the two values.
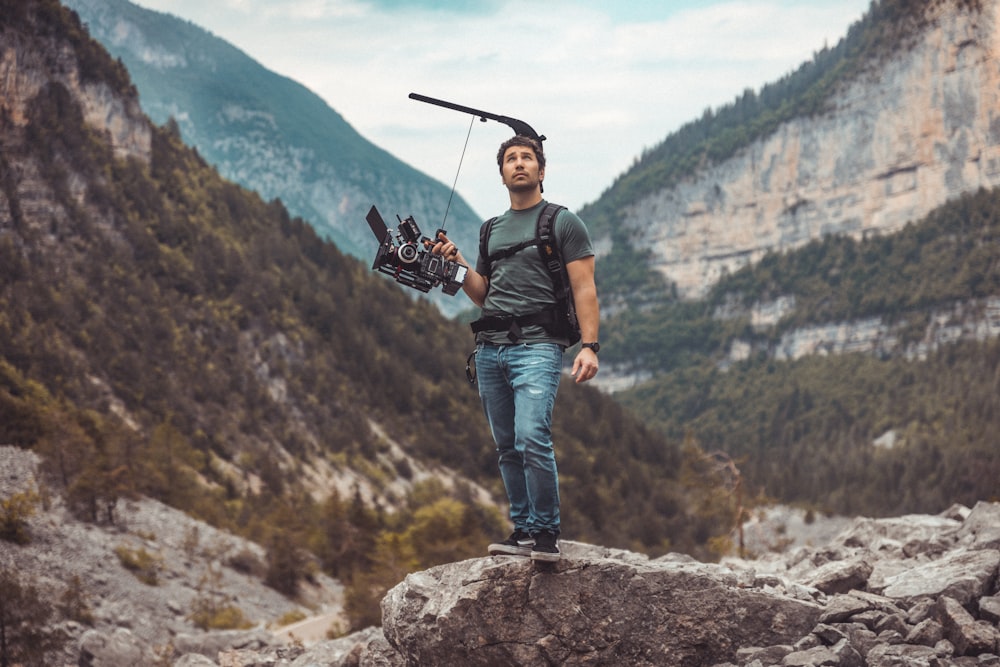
x=207, y=616
x=14, y=514
x=144, y=565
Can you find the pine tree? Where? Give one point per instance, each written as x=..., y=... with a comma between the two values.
x=24, y=638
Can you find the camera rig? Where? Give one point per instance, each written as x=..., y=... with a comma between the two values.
x=408, y=259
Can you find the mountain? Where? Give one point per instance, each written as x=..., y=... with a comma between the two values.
x=821, y=289
x=892, y=122
x=269, y=133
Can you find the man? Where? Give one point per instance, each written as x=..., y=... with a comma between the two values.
x=518, y=368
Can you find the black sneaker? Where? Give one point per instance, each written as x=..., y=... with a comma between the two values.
x=518, y=544
x=546, y=546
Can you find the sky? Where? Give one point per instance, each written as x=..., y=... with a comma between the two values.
x=602, y=80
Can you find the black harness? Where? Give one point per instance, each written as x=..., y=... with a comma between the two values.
x=558, y=319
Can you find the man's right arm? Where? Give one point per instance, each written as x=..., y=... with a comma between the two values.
x=476, y=285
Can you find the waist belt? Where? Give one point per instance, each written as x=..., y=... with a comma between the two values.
x=512, y=323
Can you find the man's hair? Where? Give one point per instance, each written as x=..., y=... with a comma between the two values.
x=521, y=140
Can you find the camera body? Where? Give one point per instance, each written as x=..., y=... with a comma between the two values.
x=408, y=259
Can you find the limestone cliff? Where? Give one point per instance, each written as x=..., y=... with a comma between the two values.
x=25, y=69
x=915, y=131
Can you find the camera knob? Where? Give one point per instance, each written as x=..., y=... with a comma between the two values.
x=408, y=253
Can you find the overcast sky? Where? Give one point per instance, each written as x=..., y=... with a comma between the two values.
x=602, y=80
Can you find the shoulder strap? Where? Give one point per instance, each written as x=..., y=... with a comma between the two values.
x=552, y=258
x=484, y=239
x=546, y=240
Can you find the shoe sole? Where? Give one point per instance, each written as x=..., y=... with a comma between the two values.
x=504, y=550
x=545, y=556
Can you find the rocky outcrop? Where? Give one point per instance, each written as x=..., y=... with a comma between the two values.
x=908, y=591
x=896, y=144
x=28, y=64
x=589, y=609
x=974, y=320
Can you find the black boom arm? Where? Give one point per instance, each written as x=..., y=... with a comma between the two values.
x=519, y=126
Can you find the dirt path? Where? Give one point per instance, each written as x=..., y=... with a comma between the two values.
x=313, y=629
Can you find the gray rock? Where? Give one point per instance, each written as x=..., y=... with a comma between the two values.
x=989, y=608
x=119, y=648
x=902, y=655
x=344, y=651
x=210, y=644
x=842, y=576
x=962, y=575
x=861, y=638
x=194, y=660
x=843, y=607
x=819, y=655
x=894, y=622
x=506, y=611
x=830, y=634
x=927, y=633
x=847, y=655
x=981, y=529
x=929, y=580
x=771, y=655
x=969, y=636
x=944, y=648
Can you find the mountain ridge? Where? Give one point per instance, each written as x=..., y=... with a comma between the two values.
x=826, y=150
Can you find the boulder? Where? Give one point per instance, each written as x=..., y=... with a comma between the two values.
x=841, y=576
x=968, y=635
x=505, y=610
x=982, y=527
x=963, y=575
x=119, y=648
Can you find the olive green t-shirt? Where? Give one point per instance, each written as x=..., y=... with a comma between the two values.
x=520, y=284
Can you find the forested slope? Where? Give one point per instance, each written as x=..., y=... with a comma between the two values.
x=806, y=430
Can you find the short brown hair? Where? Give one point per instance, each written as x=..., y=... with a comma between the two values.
x=521, y=140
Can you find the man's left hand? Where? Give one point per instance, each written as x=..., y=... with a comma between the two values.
x=585, y=365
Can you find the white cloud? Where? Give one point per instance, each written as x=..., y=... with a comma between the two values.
x=600, y=87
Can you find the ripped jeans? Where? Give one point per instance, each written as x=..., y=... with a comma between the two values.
x=517, y=385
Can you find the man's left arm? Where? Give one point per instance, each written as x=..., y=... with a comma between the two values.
x=581, y=279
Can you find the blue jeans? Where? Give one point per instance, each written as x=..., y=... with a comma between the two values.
x=517, y=385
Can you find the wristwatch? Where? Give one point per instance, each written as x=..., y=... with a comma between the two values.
x=596, y=347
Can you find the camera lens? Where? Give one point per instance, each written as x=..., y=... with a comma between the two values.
x=407, y=253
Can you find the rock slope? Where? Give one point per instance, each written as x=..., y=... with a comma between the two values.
x=138, y=617
x=908, y=591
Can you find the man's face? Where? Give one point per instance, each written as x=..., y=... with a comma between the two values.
x=520, y=169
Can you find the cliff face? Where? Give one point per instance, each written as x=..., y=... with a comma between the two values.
x=26, y=66
x=916, y=131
